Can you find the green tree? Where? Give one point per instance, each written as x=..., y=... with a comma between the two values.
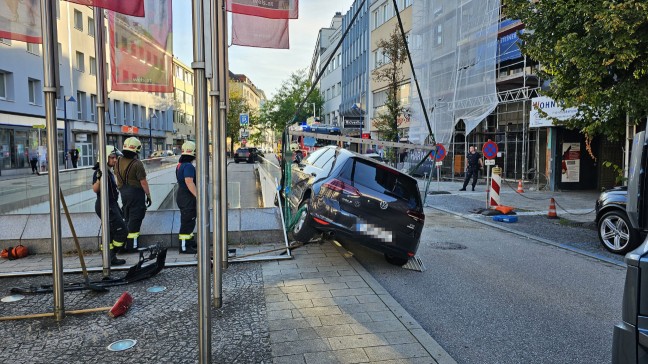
x=596, y=55
x=279, y=111
x=390, y=73
x=237, y=105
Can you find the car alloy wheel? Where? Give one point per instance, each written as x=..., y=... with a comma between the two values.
x=615, y=232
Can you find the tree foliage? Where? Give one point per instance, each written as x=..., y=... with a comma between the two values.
x=390, y=72
x=279, y=111
x=596, y=55
x=238, y=105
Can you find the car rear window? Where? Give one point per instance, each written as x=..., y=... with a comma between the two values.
x=386, y=180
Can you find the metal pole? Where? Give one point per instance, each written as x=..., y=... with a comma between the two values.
x=100, y=49
x=65, y=131
x=223, y=70
x=202, y=178
x=50, y=78
x=215, y=95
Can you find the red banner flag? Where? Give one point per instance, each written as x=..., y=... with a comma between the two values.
x=273, y=9
x=128, y=7
x=141, y=49
x=21, y=20
x=253, y=31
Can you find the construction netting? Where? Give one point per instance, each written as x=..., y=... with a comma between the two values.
x=454, y=51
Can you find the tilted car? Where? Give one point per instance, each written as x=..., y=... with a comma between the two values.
x=358, y=200
x=612, y=223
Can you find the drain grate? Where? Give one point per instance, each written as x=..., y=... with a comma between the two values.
x=444, y=245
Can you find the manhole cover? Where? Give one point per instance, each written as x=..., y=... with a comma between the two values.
x=122, y=345
x=448, y=246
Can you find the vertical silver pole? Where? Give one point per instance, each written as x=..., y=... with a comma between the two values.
x=202, y=178
x=100, y=51
x=50, y=88
x=216, y=95
x=223, y=71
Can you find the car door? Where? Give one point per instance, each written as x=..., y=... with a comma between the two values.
x=303, y=175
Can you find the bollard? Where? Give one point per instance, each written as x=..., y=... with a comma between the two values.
x=496, y=182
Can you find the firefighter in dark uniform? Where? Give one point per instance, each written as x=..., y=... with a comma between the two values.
x=135, y=192
x=186, y=198
x=473, y=165
x=118, y=229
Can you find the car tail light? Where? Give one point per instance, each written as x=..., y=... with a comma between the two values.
x=418, y=216
x=320, y=221
x=337, y=185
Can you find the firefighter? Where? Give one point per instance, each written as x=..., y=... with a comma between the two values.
x=186, y=198
x=134, y=188
x=118, y=229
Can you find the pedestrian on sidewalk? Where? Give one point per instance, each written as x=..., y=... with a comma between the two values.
x=186, y=198
x=42, y=159
x=33, y=160
x=473, y=165
x=118, y=229
x=74, y=156
x=134, y=188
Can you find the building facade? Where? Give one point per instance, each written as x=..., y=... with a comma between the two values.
x=149, y=116
x=184, y=127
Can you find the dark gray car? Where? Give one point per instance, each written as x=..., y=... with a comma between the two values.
x=357, y=199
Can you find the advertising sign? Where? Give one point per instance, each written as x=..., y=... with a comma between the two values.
x=571, y=162
x=353, y=122
x=551, y=108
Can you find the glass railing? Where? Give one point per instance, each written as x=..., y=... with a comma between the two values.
x=30, y=194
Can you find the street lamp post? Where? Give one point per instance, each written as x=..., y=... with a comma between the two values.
x=66, y=99
x=153, y=116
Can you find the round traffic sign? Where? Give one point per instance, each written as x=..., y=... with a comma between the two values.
x=243, y=141
x=440, y=152
x=489, y=150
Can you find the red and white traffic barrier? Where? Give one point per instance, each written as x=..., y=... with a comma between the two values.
x=496, y=183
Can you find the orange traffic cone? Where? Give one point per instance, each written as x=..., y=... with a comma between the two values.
x=552, y=209
x=520, y=188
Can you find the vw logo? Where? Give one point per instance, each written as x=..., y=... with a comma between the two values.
x=356, y=203
x=383, y=205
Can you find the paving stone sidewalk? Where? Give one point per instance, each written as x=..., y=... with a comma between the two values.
x=320, y=307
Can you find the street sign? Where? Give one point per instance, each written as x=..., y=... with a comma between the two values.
x=245, y=134
x=489, y=162
x=128, y=129
x=440, y=152
x=489, y=150
x=39, y=126
x=439, y=164
x=244, y=119
x=244, y=141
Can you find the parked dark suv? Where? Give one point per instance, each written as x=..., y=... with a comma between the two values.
x=243, y=155
x=357, y=199
x=612, y=223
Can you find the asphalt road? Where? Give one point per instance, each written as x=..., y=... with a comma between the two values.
x=493, y=297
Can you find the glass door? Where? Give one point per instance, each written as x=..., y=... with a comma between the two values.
x=86, y=154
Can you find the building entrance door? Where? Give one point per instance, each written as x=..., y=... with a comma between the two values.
x=86, y=154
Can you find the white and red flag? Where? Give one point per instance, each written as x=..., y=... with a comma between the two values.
x=128, y=7
x=141, y=49
x=21, y=19
x=253, y=31
x=273, y=9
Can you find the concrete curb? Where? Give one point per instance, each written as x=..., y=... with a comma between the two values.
x=533, y=237
x=429, y=344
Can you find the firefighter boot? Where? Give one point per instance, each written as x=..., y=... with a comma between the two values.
x=186, y=246
x=131, y=242
x=114, y=260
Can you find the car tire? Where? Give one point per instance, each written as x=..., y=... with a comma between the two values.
x=303, y=230
x=395, y=260
x=236, y=161
x=615, y=232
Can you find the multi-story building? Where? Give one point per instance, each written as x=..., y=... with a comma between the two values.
x=355, y=69
x=240, y=84
x=184, y=126
x=383, y=22
x=145, y=115
x=330, y=84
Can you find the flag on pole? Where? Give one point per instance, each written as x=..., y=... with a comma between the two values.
x=21, y=20
x=273, y=9
x=128, y=7
x=253, y=31
x=141, y=49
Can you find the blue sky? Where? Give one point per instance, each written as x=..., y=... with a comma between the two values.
x=267, y=68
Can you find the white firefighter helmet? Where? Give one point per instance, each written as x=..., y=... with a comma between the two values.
x=110, y=150
x=132, y=144
x=189, y=148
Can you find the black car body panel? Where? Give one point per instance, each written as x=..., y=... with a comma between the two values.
x=615, y=198
x=360, y=200
x=243, y=155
